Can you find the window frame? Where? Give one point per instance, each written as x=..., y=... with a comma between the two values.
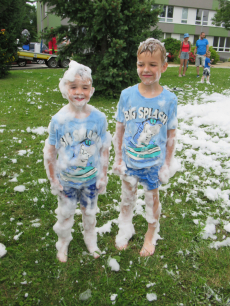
x=201, y=22
x=166, y=11
x=183, y=19
x=218, y=48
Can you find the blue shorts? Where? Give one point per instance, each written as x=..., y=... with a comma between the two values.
x=148, y=177
x=184, y=55
x=81, y=195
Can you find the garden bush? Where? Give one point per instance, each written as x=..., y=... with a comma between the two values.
x=214, y=55
x=172, y=46
x=8, y=52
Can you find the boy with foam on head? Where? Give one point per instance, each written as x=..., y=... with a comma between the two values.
x=207, y=66
x=77, y=135
x=144, y=143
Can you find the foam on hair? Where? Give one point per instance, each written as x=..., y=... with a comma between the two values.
x=74, y=69
x=152, y=45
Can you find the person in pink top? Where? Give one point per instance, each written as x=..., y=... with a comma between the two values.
x=184, y=53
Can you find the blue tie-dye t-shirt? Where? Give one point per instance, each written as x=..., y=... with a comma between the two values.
x=146, y=122
x=78, y=143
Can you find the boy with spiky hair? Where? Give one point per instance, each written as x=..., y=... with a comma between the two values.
x=144, y=142
x=77, y=135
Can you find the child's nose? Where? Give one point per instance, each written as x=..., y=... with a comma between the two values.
x=78, y=90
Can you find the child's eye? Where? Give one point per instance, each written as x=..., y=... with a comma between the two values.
x=85, y=88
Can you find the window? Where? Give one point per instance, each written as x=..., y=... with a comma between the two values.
x=165, y=35
x=184, y=16
x=221, y=44
x=167, y=14
x=201, y=17
x=181, y=37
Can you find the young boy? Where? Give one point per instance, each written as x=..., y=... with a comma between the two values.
x=77, y=135
x=144, y=142
x=207, y=66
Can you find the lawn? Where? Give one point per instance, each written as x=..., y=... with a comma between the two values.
x=191, y=262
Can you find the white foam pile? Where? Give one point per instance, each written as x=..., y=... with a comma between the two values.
x=113, y=264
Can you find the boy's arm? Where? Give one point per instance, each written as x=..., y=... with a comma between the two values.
x=164, y=173
x=50, y=158
x=102, y=182
x=118, y=167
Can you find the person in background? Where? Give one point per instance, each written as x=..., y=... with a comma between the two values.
x=184, y=54
x=52, y=44
x=207, y=66
x=202, y=47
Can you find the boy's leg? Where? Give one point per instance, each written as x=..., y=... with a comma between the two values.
x=88, y=200
x=128, y=201
x=65, y=220
x=153, y=210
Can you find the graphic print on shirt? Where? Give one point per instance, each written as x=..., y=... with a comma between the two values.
x=82, y=169
x=142, y=146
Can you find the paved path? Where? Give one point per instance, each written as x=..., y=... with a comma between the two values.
x=218, y=65
x=32, y=66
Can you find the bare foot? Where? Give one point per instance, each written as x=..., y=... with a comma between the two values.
x=96, y=253
x=62, y=256
x=123, y=247
x=147, y=250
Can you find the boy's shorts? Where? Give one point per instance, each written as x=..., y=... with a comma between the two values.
x=81, y=195
x=206, y=71
x=148, y=177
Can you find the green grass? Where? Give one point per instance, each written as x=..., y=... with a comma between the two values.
x=192, y=277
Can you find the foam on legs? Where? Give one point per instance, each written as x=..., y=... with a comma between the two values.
x=128, y=201
x=65, y=220
x=89, y=225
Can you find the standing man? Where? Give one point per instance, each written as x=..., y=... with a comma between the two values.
x=200, y=51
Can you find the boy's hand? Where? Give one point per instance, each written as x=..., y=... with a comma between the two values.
x=164, y=174
x=56, y=187
x=101, y=184
x=119, y=167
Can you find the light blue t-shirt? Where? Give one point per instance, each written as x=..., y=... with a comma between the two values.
x=146, y=122
x=201, y=46
x=78, y=143
x=207, y=61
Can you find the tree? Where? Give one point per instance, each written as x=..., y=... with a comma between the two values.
x=105, y=35
x=30, y=21
x=12, y=14
x=223, y=14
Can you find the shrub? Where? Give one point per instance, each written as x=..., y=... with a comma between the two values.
x=192, y=57
x=8, y=51
x=214, y=55
x=172, y=46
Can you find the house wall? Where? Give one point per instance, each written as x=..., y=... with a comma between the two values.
x=176, y=28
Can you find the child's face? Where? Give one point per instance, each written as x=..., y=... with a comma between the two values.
x=79, y=91
x=208, y=55
x=149, y=67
